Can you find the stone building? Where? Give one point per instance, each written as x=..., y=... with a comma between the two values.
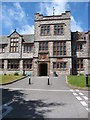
x=52, y=48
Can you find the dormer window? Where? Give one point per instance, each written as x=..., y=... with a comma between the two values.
x=14, y=43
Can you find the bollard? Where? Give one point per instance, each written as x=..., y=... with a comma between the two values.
x=48, y=81
x=29, y=80
x=86, y=80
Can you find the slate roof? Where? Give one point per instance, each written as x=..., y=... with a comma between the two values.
x=3, y=40
x=26, y=38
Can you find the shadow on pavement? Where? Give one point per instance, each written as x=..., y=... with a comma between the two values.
x=26, y=109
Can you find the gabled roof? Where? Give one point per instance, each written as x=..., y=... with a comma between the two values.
x=26, y=39
x=15, y=32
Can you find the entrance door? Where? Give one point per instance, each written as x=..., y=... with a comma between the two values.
x=43, y=69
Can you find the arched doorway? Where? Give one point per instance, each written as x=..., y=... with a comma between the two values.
x=43, y=69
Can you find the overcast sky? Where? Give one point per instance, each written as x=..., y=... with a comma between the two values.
x=20, y=15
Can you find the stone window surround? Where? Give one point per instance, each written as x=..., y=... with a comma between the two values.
x=15, y=45
x=60, y=48
x=1, y=64
x=29, y=48
x=45, y=30
x=80, y=66
x=81, y=36
x=59, y=67
x=43, y=46
x=28, y=63
x=3, y=47
x=79, y=47
x=15, y=63
x=59, y=29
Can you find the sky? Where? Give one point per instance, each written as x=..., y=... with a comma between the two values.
x=20, y=15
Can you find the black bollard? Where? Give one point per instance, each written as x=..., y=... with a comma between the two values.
x=29, y=80
x=48, y=81
x=86, y=80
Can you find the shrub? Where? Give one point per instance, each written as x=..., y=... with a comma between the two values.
x=16, y=73
x=81, y=74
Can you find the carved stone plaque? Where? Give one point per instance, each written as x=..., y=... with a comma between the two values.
x=43, y=56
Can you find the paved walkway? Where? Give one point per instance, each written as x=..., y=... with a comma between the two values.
x=40, y=100
x=41, y=83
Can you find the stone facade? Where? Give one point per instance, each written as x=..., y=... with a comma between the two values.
x=33, y=61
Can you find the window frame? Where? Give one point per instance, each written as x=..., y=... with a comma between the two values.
x=2, y=64
x=26, y=63
x=13, y=45
x=43, y=46
x=58, y=29
x=28, y=48
x=79, y=47
x=59, y=64
x=45, y=30
x=60, y=50
x=80, y=64
x=14, y=64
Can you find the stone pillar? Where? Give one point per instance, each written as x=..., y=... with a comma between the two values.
x=21, y=66
x=5, y=66
x=86, y=66
x=35, y=67
x=51, y=67
x=51, y=49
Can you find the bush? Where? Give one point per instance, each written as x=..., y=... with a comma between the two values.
x=81, y=74
x=16, y=73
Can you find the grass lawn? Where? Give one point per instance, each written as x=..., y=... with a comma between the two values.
x=78, y=81
x=9, y=78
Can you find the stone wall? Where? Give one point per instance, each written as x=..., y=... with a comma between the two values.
x=52, y=20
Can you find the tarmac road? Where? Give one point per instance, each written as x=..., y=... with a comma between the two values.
x=40, y=100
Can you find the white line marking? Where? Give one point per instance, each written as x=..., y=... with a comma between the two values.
x=4, y=87
x=75, y=94
x=79, y=98
x=38, y=89
x=88, y=109
x=77, y=90
x=83, y=103
x=86, y=98
x=71, y=90
x=81, y=93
